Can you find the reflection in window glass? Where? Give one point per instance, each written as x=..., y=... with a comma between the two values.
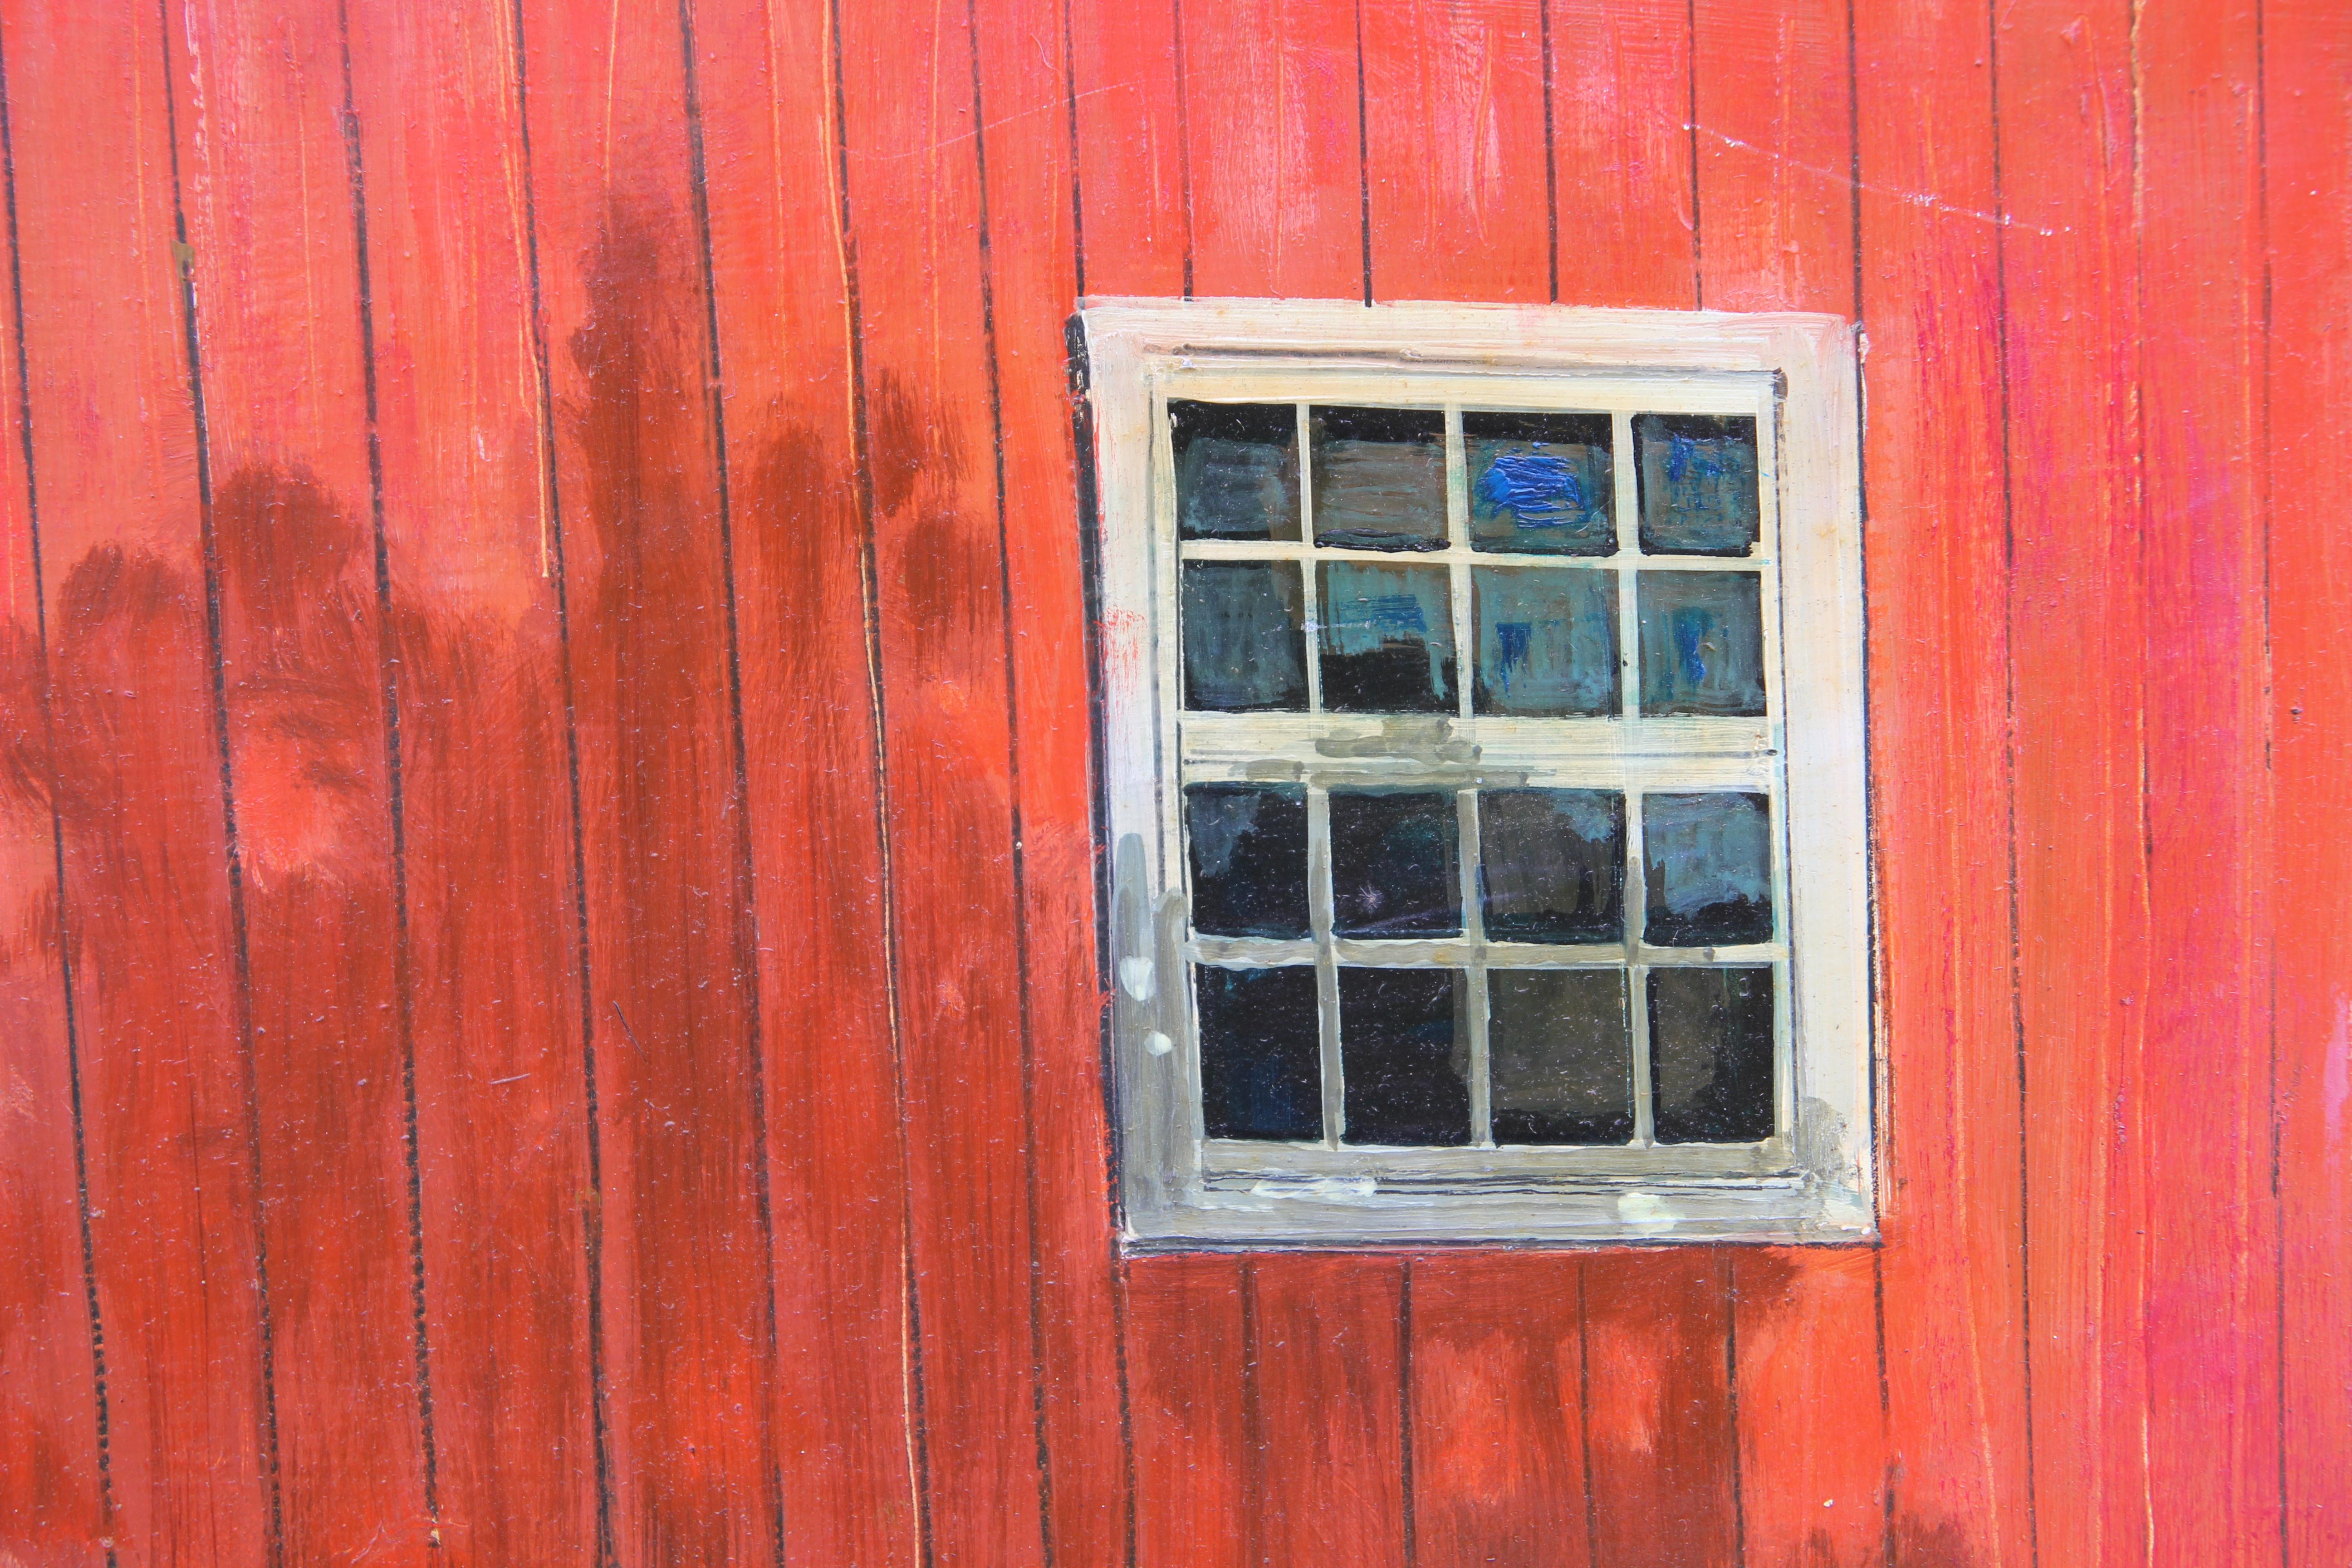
x=1236, y=469
x=1711, y=1055
x=1710, y=869
x=1380, y=479
x=1541, y=484
x=1405, y=1055
x=1702, y=643
x=1393, y=864
x=1552, y=864
x=1561, y=1055
x=1261, y=1053
x=1699, y=484
x=1388, y=638
x=1546, y=641
x=1249, y=845
x=1244, y=636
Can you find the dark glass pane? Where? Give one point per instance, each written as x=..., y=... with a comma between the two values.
x=1388, y=638
x=1699, y=484
x=1380, y=479
x=1711, y=1055
x=1540, y=483
x=1702, y=643
x=1394, y=869
x=1405, y=1055
x=1710, y=869
x=1261, y=1053
x=1546, y=641
x=1236, y=469
x=1559, y=1054
x=1244, y=637
x=1249, y=858
x=1552, y=864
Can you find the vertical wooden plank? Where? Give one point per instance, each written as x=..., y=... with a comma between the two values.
x=1774, y=150
x=2210, y=1311
x=1498, y=1440
x=1938, y=504
x=138, y=764
x=1272, y=140
x=53, y=1496
x=689, y=1333
x=1622, y=163
x=937, y=491
x=493, y=936
x=1453, y=132
x=1664, y=1482
x=2306, y=58
x=1133, y=176
x=1194, y=1449
x=1031, y=269
x=1332, y=1338
x=2078, y=642
x=779, y=271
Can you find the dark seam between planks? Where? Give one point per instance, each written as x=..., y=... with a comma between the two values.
x=1081, y=448
x=1731, y=1401
x=1184, y=137
x=1363, y=155
x=1022, y=968
x=1584, y=1417
x=103, y=1434
x=403, y=1008
x=746, y=908
x=184, y=257
x=592, y=1217
x=1885, y=1408
x=1690, y=74
x=1551, y=160
x=862, y=446
x=2270, y=736
x=2009, y=765
x=1404, y=1409
x=1253, y=1422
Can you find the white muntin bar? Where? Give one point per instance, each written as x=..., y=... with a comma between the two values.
x=1625, y=491
x=1637, y=972
x=1474, y=927
x=1310, y=590
x=1327, y=964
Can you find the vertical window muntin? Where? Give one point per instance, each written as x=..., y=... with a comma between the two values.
x=1465, y=752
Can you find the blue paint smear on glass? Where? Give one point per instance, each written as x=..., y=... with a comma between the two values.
x=1699, y=485
x=1542, y=483
x=1541, y=489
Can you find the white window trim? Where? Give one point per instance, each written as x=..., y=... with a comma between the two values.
x=1813, y=1181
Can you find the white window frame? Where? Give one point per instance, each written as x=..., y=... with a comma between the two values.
x=1799, y=375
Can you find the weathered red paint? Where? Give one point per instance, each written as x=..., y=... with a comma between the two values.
x=721, y=460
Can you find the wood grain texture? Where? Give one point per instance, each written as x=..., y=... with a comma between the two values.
x=1194, y=1421
x=1132, y=167
x=1937, y=499
x=475, y=664
x=772, y=156
x=689, y=1325
x=2307, y=52
x=1622, y=170
x=2078, y=654
x=912, y=122
x=1333, y=1338
x=1663, y=1478
x=2208, y=1307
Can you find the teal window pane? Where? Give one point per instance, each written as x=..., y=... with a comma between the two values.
x=1708, y=869
x=1244, y=637
x=1236, y=469
x=1699, y=484
x=1380, y=479
x=1541, y=484
x=1388, y=638
x=1547, y=640
x=1702, y=643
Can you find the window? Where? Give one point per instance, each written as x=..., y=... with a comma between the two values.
x=1483, y=756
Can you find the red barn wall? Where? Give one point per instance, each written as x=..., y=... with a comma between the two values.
x=548, y=996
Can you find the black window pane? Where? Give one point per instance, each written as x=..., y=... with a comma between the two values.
x=1388, y=638
x=1380, y=479
x=1236, y=469
x=1546, y=641
x=1244, y=637
x=1249, y=845
x=1702, y=643
x=1699, y=484
x=1540, y=483
x=1711, y=1055
x=1261, y=1053
x=1709, y=860
x=1551, y=864
x=1393, y=865
x=1405, y=1055
x=1559, y=1055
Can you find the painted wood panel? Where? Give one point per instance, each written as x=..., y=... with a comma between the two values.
x=585, y=632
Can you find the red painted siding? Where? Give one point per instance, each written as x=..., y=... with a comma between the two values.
x=548, y=999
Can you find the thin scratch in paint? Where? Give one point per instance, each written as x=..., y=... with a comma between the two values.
x=1060, y=103
x=1915, y=198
